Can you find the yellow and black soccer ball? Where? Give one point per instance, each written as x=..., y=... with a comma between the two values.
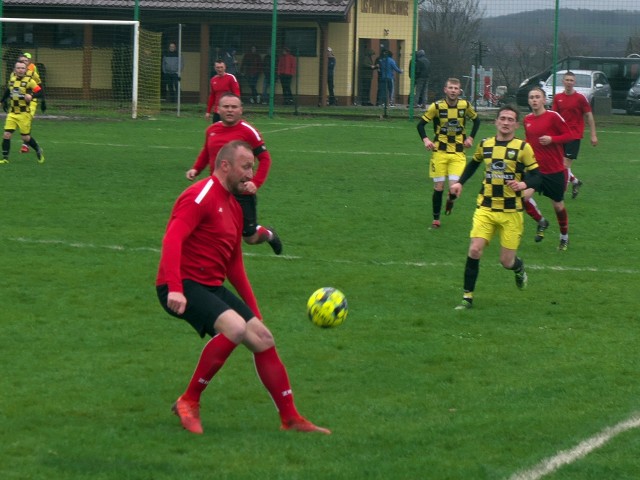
x=327, y=307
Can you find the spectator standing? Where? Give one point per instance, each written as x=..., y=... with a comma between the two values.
x=201, y=250
x=423, y=68
x=331, y=68
x=230, y=61
x=171, y=69
x=266, y=81
x=252, y=68
x=367, y=67
x=381, y=92
x=286, y=70
x=388, y=70
x=222, y=82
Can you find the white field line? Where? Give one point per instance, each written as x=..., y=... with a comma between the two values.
x=383, y=263
x=298, y=127
x=566, y=457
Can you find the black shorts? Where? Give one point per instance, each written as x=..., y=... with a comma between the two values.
x=204, y=305
x=571, y=149
x=249, y=204
x=215, y=117
x=553, y=185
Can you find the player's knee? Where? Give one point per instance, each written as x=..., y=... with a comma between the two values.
x=232, y=326
x=259, y=336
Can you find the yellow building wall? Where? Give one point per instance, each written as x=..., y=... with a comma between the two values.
x=384, y=20
x=387, y=20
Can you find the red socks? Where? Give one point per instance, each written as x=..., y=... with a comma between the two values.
x=212, y=358
x=532, y=210
x=270, y=368
x=563, y=221
x=274, y=377
x=264, y=234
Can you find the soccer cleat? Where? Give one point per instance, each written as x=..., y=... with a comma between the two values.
x=435, y=224
x=189, y=413
x=542, y=226
x=24, y=148
x=448, y=207
x=4, y=161
x=275, y=242
x=575, y=189
x=521, y=279
x=40, y=154
x=303, y=425
x=564, y=245
x=466, y=304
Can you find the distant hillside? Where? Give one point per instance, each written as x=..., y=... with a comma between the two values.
x=583, y=32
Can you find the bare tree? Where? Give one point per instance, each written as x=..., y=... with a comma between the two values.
x=447, y=30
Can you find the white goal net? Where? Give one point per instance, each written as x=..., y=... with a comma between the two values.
x=88, y=66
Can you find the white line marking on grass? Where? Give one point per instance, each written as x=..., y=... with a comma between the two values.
x=566, y=457
x=334, y=152
x=383, y=263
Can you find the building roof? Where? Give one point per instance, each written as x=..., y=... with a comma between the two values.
x=289, y=7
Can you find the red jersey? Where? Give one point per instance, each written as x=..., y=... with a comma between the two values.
x=203, y=241
x=550, y=157
x=218, y=134
x=219, y=85
x=572, y=108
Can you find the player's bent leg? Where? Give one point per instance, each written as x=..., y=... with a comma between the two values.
x=232, y=326
x=258, y=337
x=274, y=377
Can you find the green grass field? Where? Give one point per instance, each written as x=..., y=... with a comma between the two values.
x=411, y=388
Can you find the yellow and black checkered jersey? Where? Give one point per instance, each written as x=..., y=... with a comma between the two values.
x=503, y=161
x=449, y=124
x=18, y=87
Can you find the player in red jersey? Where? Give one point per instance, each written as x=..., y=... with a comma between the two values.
x=575, y=109
x=221, y=83
x=546, y=131
x=232, y=127
x=202, y=248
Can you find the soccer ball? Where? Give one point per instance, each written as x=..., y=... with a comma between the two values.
x=327, y=307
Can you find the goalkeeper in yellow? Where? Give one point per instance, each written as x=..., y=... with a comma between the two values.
x=32, y=71
x=510, y=167
x=16, y=101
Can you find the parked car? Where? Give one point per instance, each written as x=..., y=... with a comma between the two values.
x=590, y=83
x=621, y=72
x=633, y=99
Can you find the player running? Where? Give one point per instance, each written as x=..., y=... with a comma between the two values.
x=232, y=127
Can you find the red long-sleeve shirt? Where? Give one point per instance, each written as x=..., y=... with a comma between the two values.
x=218, y=135
x=203, y=241
x=218, y=85
x=550, y=157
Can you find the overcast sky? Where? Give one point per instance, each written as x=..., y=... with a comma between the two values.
x=495, y=8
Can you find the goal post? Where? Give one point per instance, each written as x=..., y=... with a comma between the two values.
x=88, y=64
